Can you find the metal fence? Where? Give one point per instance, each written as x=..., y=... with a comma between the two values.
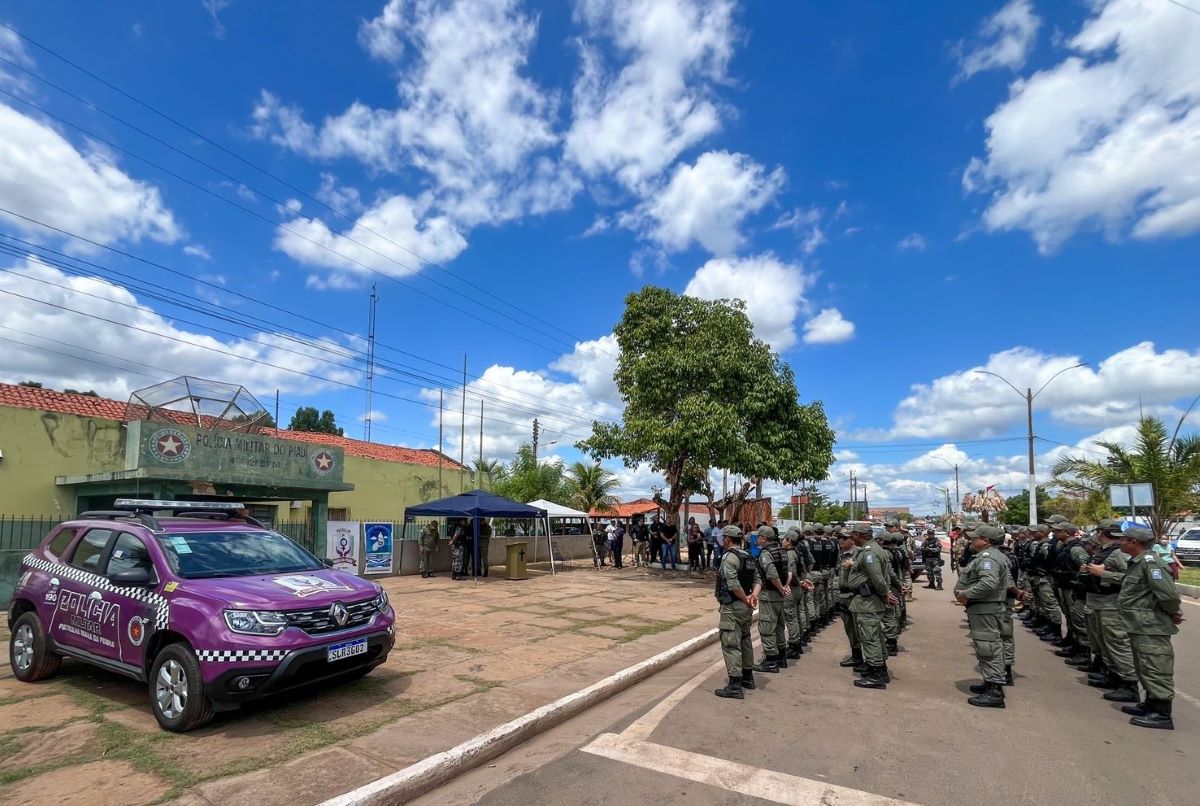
x=24, y=533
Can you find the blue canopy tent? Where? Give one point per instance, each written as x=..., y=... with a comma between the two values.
x=478, y=504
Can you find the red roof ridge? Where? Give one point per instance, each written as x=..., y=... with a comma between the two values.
x=29, y=397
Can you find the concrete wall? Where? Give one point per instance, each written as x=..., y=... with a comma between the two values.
x=40, y=445
x=577, y=547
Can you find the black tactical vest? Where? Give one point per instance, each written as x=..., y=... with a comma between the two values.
x=1064, y=567
x=779, y=558
x=1093, y=584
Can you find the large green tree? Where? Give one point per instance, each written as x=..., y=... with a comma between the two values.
x=590, y=487
x=527, y=479
x=1165, y=459
x=701, y=392
x=483, y=472
x=307, y=418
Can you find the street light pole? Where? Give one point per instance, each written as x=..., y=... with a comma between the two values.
x=1029, y=396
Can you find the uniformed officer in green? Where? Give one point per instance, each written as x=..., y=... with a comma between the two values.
x=793, y=606
x=846, y=551
x=885, y=545
x=428, y=544
x=808, y=540
x=1106, y=573
x=868, y=581
x=983, y=587
x=1071, y=555
x=1152, y=610
x=737, y=592
x=803, y=593
x=772, y=567
x=1042, y=582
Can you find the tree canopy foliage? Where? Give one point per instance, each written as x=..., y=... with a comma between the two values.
x=591, y=487
x=1168, y=461
x=701, y=392
x=307, y=418
x=527, y=479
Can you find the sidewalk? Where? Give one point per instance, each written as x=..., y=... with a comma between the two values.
x=468, y=657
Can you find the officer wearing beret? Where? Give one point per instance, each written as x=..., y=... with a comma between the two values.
x=738, y=586
x=872, y=596
x=1152, y=610
x=772, y=567
x=1105, y=575
x=983, y=587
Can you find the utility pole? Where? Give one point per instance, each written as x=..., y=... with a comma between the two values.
x=441, y=447
x=866, y=503
x=536, y=431
x=277, y=425
x=479, y=468
x=370, y=363
x=462, y=433
x=853, y=496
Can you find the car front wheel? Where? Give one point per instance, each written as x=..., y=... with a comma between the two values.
x=177, y=690
x=28, y=653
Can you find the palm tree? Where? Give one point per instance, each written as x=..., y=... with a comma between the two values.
x=1170, y=463
x=591, y=487
x=485, y=468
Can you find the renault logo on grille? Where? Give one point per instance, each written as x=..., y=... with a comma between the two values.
x=339, y=614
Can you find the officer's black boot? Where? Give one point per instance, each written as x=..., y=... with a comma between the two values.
x=1126, y=692
x=855, y=658
x=732, y=691
x=979, y=688
x=795, y=650
x=939, y=587
x=1140, y=709
x=1158, y=716
x=992, y=697
x=1079, y=661
x=874, y=678
x=892, y=648
x=748, y=679
x=1067, y=648
x=767, y=664
x=781, y=660
x=1008, y=677
x=1106, y=680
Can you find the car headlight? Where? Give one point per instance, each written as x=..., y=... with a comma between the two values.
x=381, y=601
x=256, y=622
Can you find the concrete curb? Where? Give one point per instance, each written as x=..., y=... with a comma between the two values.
x=1188, y=590
x=432, y=771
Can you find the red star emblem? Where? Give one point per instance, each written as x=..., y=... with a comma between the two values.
x=169, y=445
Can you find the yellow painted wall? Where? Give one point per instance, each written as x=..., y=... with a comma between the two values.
x=39, y=445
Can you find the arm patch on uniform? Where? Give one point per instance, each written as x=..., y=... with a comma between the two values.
x=1156, y=573
x=870, y=558
x=987, y=565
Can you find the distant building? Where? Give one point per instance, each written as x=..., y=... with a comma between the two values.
x=883, y=513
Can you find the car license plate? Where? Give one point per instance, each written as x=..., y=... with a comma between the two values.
x=347, y=649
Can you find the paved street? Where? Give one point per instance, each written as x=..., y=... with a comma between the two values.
x=808, y=736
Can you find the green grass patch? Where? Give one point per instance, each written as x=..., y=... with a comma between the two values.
x=632, y=633
x=1189, y=576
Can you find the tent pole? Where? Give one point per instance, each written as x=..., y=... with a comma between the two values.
x=550, y=545
x=475, y=550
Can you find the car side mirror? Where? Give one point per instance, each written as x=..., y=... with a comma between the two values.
x=327, y=562
x=133, y=578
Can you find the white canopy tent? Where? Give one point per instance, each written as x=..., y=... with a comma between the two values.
x=553, y=512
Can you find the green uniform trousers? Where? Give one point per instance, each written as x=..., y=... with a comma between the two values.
x=810, y=599
x=868, y=626
x=426, y=560
x=848, y=624
x=891, y=621
x=737, y=645
x=1154, y=659
x=1006, y=636
x=989, y=646
x=1047, y=600
x=1114, y=643
x=1073, y=609
x=791, y=617
x=1093, y=627
x=771, y=625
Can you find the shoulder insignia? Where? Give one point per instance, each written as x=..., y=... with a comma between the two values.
x=1156, y=573
x=987, y=565
x=870, y=558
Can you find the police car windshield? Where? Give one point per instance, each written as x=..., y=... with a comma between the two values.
x=207, y=555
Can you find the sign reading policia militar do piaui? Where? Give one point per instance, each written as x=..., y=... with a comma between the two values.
x=187, y=452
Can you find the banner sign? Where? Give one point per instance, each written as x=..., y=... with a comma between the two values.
x=341, y=545
x=379, y=548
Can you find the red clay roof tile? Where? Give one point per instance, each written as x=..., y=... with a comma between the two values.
x=26, y=397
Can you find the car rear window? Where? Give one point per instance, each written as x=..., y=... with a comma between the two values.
x=58, y=546
x=129, y=553
x=207, y=555
x=88, y=551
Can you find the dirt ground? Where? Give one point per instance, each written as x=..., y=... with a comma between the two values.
x=468, y=657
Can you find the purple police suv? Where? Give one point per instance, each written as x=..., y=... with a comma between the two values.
x=207, y=606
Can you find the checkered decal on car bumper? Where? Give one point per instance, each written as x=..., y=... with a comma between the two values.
x=240, y=655
x=162, y=606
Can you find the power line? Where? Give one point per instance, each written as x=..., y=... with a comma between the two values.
x=869, y=448
x=4, y=249
x=239, y=158
x=250, y=359
x=554, y=409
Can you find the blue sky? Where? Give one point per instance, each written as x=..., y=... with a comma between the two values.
x=901, y=193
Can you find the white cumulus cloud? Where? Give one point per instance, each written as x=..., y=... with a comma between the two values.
x=45, y=177
x=1005, y=40
x=707, y=203
x=828, y=327
x=1108, y=139
x=772, y=290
